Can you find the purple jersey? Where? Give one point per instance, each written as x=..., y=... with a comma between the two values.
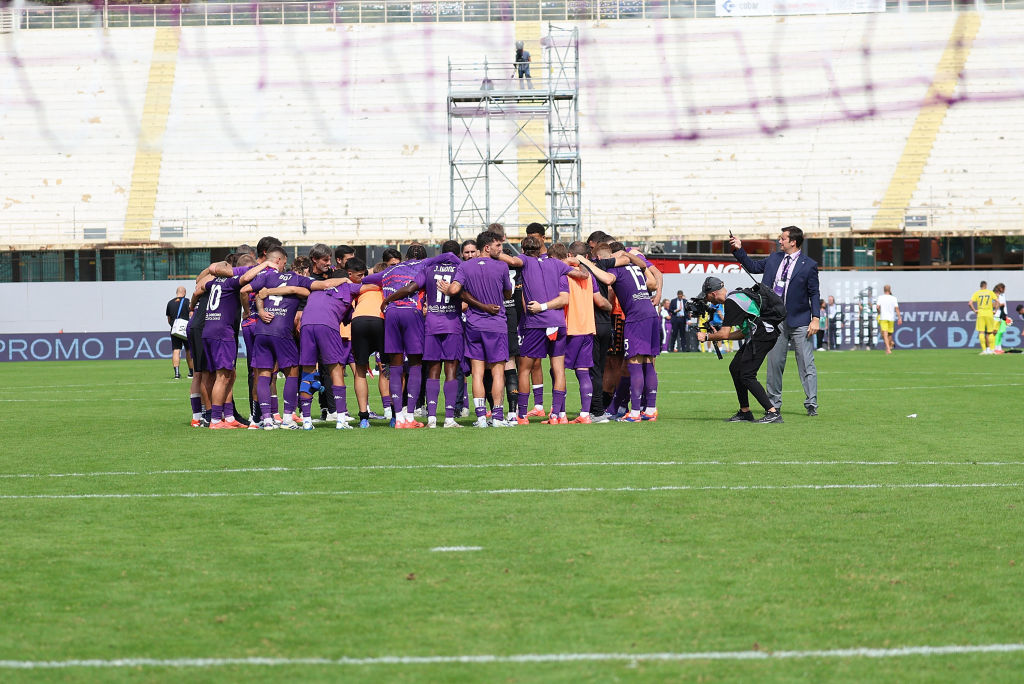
x=284, y=307
x=632, y=293
x=543, y=280
x=222, y=309
x=486, y=279
x=329, y=307
x=444, y=314
x=394, y=279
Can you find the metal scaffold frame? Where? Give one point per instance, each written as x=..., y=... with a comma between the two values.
x=490, y=112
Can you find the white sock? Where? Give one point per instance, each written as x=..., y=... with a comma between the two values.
x=584, y=414
x=478, y=402
x=634, y=414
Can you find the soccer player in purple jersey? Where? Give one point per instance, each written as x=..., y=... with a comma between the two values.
x=403, y=333
x=329, y=304
x=220, y=342
x=545, y=292
x=443, y=327
x=249, y=310
x=274, y=335
x=633, y=283
x=484, y=284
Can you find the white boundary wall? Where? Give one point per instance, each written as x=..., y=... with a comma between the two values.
x=138, y=306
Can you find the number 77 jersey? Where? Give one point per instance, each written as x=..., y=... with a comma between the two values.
x=444, y=313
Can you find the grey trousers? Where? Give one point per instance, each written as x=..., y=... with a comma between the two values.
x=804, y=348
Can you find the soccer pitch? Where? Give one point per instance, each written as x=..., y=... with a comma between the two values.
x=683, y=549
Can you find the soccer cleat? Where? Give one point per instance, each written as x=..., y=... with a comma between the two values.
x=432, y=422
x=177, y=375
x=481, y=422
x=603, y=418
x=581, y=420
x=535, y=412
x=290, y=424
x=191, y=374
x=741, y=417
x=552, y=420
x=408, y=425
x=343, y=416
x=420, y=412
x=269, y=424
x=375, y=416
x=204, y=423
x=219, y=425
x=522, y=421
x=296, y=417
x=630, y=419
x=621, y=412
x=307, y=425
x=196, y=422
x=464, y=413
x=363, y=423
x=253, y=425
x=650, y=417
x=277, y=419
x=498, y=423
x=342, y=425
x=812, y=411
x=393, y=422
x=232, y=423
x=563, y=420
x=450, y=423
x=770, y=417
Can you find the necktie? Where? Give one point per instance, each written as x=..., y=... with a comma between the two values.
x=780, y=285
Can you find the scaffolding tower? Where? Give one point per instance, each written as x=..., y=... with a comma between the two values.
x=501, y=168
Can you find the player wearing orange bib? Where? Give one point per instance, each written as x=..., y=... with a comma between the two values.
x=580, y=327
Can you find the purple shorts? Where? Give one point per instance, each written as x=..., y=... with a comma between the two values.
x=487, y=346
x=579, y=351
x=642, y=338
x=248, y=332
x=535, y=344
x=266, y=349
x=347, y=357
x=318, y=342
x=220, y=354
x=403, y=331
x=443, y=347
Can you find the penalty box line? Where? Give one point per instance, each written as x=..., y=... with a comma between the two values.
x=471, y=466
x=527, y=658
x=557, y=490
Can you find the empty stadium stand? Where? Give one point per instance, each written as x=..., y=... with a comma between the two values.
x=337, y=132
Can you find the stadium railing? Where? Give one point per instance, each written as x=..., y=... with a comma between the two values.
x=400, y=11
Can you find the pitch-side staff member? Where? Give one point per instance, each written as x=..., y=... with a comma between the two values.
x=794, y=277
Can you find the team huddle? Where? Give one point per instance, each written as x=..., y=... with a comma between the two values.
x=421, y=325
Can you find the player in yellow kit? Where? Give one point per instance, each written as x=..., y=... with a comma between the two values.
x=983, y=303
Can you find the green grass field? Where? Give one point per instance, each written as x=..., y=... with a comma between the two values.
x=129, y=535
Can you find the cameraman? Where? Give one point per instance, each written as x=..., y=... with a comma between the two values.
x=741, y=320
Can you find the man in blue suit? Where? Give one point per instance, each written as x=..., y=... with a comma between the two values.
x=794, y=277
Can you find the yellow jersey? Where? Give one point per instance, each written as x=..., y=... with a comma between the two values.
x=986, y=301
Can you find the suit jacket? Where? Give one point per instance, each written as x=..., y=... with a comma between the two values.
x=673, y=308
x=802, y=296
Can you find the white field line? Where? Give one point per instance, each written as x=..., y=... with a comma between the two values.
x=526, y=658
x=556, y=490
x=862, y=389
x=472, y=466
x=456, y=549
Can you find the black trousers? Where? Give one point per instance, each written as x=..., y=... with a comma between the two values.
x=677, y=342
x=744, y=367
x=602, y=341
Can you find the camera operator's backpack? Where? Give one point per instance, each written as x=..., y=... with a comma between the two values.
x=771, y=306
